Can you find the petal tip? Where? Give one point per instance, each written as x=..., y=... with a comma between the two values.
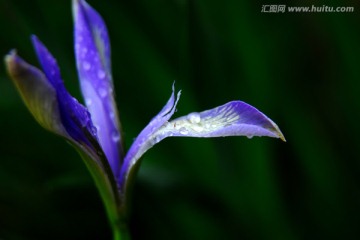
x=281, y=136
x=15, y=65
x=76, y=4
x=278, y=132
x=35, y=41
x=11, y=56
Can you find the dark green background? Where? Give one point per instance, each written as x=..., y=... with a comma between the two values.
x=301, y=69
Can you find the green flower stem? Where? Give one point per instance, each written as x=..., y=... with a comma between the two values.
x=120, y=231
x=113, y=203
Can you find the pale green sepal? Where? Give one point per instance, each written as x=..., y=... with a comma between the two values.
x=37, y=93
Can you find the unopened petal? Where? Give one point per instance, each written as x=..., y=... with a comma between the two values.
x=37, y=93
x=92, y=51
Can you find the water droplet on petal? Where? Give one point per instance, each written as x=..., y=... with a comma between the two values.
x=194, y=117
x=93, y=130
x=156, y=139
x=101, y=74
x=86, y=66
x=249, y=136
x=88, y=101
x=115, y=136
x=112, y=115
x=197, y=128
x=183, y=131
x=97, y=127
x=103, y=92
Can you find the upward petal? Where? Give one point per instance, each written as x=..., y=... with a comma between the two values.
x=74, y=117
x=142, y=143
x=53, y=107
x=92, y=50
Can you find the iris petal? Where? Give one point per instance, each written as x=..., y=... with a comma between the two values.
x=37, y=93
x=54, y=108
x=142, y=142
x=74, y=117
x=92, y=50
x=235, y=118
x=232, y=119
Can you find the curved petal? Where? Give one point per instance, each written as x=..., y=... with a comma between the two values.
x=92, y=50
x=232, y=119
x=235, y=118
x=142, y=143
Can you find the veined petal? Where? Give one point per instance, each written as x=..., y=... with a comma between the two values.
x=235, y=118
x=142, y=143
x=74, y=117
x=92, y=50
x=87, y=19
x=232, y=119
x=37, y=93
x=58, y=112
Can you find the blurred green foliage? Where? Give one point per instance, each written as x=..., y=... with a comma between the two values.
x=301, y=69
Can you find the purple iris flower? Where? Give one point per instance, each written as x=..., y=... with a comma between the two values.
x=95, y=130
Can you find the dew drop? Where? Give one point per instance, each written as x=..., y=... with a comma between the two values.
x=102, y=92
x=88, y=101
x=112, y=115
x=93, y=130
x=156, y=140
x=86, y=66
x=115, y=136
x=84, y=122
x=194, y=117
x=249, y=136
x=75, y=100
x=198, y=128
x=101, y=74
x=97, y=128
x=183, y=131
